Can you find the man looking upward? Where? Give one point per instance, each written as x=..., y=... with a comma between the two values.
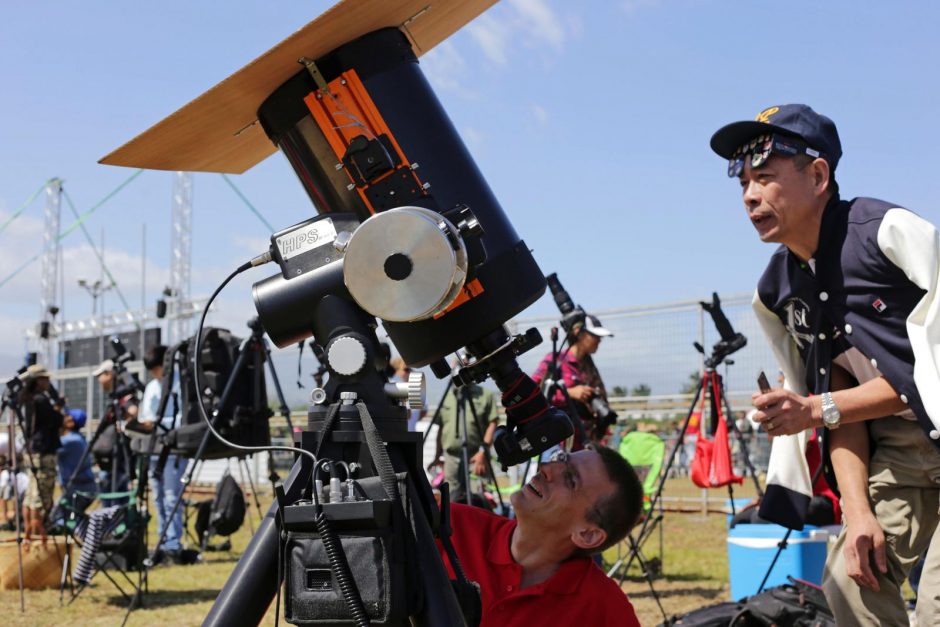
x=536, y=569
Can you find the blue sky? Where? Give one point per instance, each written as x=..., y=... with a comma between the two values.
x=590, y=121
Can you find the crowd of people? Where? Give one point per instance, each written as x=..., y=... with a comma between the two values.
x=52, y=449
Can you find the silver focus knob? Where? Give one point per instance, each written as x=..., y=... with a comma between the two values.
x=417, y=390
x=346, y=356
x=412, y=392
x=318, y=396
x=405, y=264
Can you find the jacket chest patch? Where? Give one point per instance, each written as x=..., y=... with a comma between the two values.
x=796, y=319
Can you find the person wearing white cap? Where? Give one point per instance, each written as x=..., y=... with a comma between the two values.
x=581, y=378
x=111, y=453
x=106, y=366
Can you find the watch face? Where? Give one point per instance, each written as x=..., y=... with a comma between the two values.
x=830, y=413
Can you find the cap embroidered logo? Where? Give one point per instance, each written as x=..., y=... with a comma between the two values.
x=764, y=116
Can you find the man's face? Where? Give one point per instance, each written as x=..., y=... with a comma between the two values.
x=106, y=379
x=556, y=502
x=780, y=200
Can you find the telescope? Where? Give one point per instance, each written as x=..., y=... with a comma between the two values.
x=408, y=233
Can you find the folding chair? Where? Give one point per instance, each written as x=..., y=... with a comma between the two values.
x=111, y=540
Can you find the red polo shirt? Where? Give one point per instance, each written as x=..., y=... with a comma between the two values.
x=579, y=593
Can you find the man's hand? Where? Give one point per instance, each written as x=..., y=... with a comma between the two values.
x=864, y=539
x=783, y=412
x=478, y=464
x=582, y=393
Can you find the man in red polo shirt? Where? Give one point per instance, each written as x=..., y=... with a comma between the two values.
x=537, y=569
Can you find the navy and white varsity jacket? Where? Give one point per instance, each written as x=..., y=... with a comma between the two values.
x=875, y=287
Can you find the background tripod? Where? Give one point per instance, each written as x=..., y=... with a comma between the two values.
x=465, y=405
x=254, y=348
x=13, y=468
x=711, y=385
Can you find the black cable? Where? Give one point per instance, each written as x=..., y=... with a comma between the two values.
x=197, y=368
x=331, y=543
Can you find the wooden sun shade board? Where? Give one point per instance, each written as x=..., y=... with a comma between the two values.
x=219, y=132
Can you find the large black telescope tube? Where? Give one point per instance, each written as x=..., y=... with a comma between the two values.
x=388, y=69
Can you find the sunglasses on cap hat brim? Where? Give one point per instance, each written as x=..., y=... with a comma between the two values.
x=758, y=150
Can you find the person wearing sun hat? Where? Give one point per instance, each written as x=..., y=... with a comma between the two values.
x=849, y=303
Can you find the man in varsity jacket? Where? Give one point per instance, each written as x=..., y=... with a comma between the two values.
x=849, y=302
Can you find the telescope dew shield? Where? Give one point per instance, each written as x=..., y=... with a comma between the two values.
x=365, y=133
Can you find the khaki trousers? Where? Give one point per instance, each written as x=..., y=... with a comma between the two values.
x=904, y=487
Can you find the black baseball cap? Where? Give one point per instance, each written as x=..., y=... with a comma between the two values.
x=796, y=120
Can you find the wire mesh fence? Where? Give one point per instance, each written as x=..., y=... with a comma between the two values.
x=653, y=346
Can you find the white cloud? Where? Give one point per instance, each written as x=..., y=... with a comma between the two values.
x=21, y=295
x=530, y=24
x=493, y=37
x=539, y=22
x=445, y=68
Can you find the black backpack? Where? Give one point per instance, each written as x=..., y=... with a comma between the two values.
x=798, y=603
x=795, y=604
x=224, y=514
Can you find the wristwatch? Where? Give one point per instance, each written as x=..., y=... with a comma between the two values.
x=831, y=416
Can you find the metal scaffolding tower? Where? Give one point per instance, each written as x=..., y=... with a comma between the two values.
x=180, y=258
x=51, y=249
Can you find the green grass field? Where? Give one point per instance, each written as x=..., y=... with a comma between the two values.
x=695, y=571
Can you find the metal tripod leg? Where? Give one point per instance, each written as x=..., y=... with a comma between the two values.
x=273, y=477
x=251, y=486
x=461, y=417
x=665, y=471
x=646, y=575
x=741, y=441
x=488, y=463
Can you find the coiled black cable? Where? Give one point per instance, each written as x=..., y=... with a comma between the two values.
x=340, y=567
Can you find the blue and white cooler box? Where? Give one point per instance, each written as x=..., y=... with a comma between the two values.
x=751, y=549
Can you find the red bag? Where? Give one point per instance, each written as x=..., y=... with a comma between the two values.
x=711, y=466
